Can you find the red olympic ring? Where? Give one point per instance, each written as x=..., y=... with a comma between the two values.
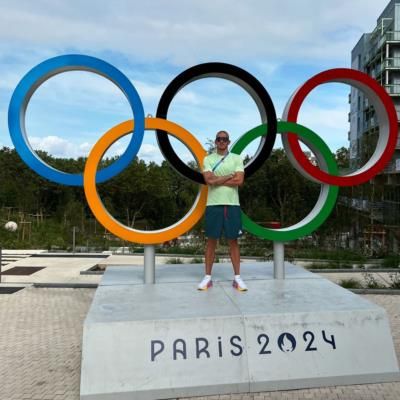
x=387, y=119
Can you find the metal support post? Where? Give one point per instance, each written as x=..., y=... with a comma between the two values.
x=279, y=260
x=149, y=264
x=1, y=260
x=73, y=238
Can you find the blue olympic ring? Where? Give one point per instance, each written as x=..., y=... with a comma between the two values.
x=45, y=70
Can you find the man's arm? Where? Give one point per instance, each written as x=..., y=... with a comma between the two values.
x=212, y=179
x=236, y=180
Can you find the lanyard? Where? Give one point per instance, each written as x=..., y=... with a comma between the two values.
x=220, y=162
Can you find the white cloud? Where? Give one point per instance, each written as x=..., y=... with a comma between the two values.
x=150, y=153
x=55, y=146
x=330, y=124
x=60, y=147
x=146, y=39
x=187, y=32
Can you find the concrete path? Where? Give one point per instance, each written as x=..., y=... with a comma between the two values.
x=40, y=349
x=62, y=269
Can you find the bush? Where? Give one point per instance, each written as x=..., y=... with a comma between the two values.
x=351, y=283
x=181, y=250
x=391, y=261
x=337, y=255
x=197, y=260
x=395, y=280
x=174, y=261
x=370, y=281
x=330, y=265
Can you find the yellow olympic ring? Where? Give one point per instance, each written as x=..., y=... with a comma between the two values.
x=100, y=212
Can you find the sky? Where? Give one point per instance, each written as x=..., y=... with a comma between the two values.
x=281, y=42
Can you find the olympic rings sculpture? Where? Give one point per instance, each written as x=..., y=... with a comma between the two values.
x=325, y=174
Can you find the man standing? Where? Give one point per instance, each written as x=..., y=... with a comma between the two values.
x=223, y=173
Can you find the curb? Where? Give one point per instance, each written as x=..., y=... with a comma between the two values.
x=351, y=270
x=376, y=291
x=66, y=285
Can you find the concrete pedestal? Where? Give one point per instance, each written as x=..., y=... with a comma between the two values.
x=170, y=340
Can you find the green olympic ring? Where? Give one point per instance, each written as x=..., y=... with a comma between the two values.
x=327, y=197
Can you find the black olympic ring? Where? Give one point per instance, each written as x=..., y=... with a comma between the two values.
x=234, y=74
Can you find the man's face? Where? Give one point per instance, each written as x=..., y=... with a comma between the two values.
x=222, y=141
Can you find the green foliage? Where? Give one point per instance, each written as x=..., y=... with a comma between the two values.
x=144, y=196
x=148, y=196
x=174, y=261
x=330, y=265
x=342, y=157
x=391, y=261
x=277, y=192
x=370, y=282
x=197, y=260
x=351, y=283
x=321, y=254
x=394, y=280
x=182, y=250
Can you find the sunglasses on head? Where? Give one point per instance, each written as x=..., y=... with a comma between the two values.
x=222, y=139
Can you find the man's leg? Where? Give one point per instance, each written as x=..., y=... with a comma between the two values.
x=210, y=254
x=213, y=229
x=235, y=258
x=234, y=251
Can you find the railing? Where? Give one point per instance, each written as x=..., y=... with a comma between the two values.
x=391, y=168
x=392, y=36
x=389, y=36
x=392, y=62
x=393, y=89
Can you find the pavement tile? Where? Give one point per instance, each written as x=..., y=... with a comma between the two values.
x=40, y=350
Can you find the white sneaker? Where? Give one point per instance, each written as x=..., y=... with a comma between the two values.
x=239, y=284
x=205, y=284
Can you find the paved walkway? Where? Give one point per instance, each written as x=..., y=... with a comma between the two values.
x=40, y=349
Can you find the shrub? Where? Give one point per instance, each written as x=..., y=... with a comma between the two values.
x=174, y=260
x=395, y=280
x=351, y=283
x=391, y=261
x=370, y=281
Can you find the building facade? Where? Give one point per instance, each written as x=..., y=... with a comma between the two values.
x=378, y=55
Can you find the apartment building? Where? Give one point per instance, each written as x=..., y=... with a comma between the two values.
x=378, y=54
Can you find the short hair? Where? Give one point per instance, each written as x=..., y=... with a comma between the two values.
x=226, y=133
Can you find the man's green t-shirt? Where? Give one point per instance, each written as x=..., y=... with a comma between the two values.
x=223, y=195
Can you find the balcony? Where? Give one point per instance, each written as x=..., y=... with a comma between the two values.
x=393, y=90
x=369, y=124
x=392, y=63
x=392, y=36
x=389, y=36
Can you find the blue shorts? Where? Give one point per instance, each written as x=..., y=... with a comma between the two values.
x=226, y=219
